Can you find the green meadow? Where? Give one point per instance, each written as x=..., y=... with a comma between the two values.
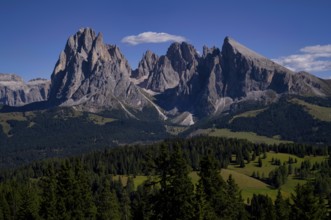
x=243, y=176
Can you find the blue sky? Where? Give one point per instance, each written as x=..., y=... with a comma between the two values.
x=295, y=33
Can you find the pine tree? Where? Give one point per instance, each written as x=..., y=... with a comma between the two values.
x=66, y=203
x=125, y=203
x=4, y=207
x=262, y=208
x=85, y=206
x=214, y=187
x=48, y=197
x=142, y=204
x=29, y=207
x=204, y=211
x=130, y=185
x=260, y=162
x=175, y=199
x=282, y=207
x=306, y=205
x=108, y=207
x=236, y=207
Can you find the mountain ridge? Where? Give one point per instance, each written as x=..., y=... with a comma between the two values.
x=93, y=76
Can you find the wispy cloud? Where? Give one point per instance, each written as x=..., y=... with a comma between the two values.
x=312, y=59
x=152, y=37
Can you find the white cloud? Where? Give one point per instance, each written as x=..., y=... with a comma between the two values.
x=152, y=37
x=312, y=59
x=318, y=49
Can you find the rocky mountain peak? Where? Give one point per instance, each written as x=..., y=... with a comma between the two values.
x=231, y=45
x=93, y=75
x=80, y=42
x=182, y=52
x=145, y=66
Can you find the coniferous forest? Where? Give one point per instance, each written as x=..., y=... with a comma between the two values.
x=90, y=186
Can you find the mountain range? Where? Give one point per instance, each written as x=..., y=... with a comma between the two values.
x=180, y=88
x=93, y=76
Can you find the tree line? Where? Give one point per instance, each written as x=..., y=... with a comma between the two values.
x=84, y=187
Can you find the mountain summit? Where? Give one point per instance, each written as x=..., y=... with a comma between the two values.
x=93, y=75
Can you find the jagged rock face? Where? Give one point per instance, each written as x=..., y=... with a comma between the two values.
x=146, y=65
x=174, y=69
x=306, y=84
x=210, y=96
x=209, y=84
x=94, y=75
x=163, y=76
x=14, y=92
x=184, y=60
x=246, y=71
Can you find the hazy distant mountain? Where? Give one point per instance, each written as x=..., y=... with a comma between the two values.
x=15, y=92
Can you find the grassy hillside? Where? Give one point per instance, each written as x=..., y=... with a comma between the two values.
x=243, y=176
x=248, y=114
x=297, y=119
x=250, y=136
x=266, y=168
x=7, y=118
x=318, y=112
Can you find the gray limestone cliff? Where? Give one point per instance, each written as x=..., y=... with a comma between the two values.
x=207, y=84
x=172, y=70
x=94, y=76
x=15, y=92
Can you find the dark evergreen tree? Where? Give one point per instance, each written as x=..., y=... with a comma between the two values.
x=107, y=205
x=48, y=194
x=306, y=206
x=282, y=207
x=66, y=201
x=204, y=210
x=236, y=207
x=262, y=208
x=259, y=163
x=29, y=207
x=125, y=204
x=82, y=192
x=142, y=204
x=175, y=199
x=4, y=207
x=214, y=187
x=130, y=185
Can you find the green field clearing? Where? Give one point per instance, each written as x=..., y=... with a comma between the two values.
x=287, y=188
x=318, y=112
x=99, y=120
x=138, y=180
x=248, y=114
x=247, y=184
x=16, y=116
x=175, y=130
x=250, y=136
